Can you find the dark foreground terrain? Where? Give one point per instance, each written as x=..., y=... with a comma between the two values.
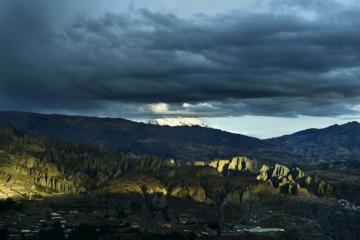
x=113, y=216
x=51, y=188
x=189, y=203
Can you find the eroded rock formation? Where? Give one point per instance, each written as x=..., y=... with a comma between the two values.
x=292, y=181
x=58, y=166
x=235, y=165
x=283, y=179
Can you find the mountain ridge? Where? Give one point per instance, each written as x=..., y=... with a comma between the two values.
x=192, y=143
x=333, y=143
x=181, y=143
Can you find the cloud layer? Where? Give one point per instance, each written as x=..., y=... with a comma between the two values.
x=275, y=59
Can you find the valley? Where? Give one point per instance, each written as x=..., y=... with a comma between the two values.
x=145, y=207
x=179, y=120
x=55, y=188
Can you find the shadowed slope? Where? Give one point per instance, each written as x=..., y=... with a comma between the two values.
x=180, y=143
x=334, y=143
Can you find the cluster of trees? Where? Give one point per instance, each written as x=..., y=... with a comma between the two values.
x=167, y=236
x=7, y=204
x=4, y=232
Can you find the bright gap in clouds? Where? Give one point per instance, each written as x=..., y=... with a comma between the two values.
x=268, y=127
x=251, y=125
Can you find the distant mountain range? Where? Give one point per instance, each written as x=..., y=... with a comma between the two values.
x=337, y=143
x=183, y=143
x=192, y=143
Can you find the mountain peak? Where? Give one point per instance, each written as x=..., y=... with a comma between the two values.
x=348, y=125
x=178, y=121
x=333, y=143
x=353, y=123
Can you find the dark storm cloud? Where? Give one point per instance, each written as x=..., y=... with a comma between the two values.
x=279, y=62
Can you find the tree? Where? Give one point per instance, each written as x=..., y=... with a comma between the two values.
x=217, y=191
x=4, y=232
x=122, y=214
x=156, y=202
x=135, y=207
x=9, y=203
x=55, y=233
x=85, y=232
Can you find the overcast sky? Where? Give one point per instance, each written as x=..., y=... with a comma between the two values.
x=263, y=68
